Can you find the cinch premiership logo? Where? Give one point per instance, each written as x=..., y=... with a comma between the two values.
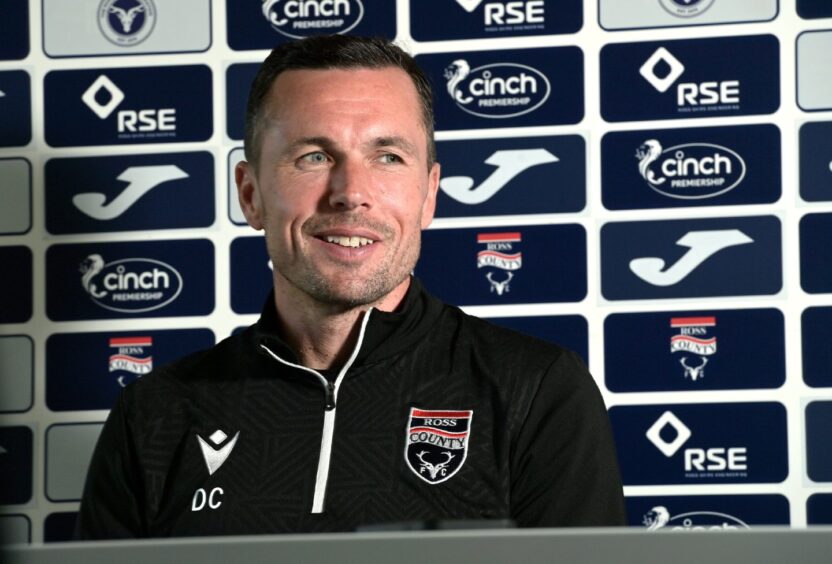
x=131, y=355
x=699, y=463
x=437, y=443
x=701, y=246
x=694, y=339
x=302, y=18
x=509, y=16
x=103, y=97
x=659, y=518
x=498, y=254
x=692, y=171
x=496, y=90
x=686, y=8
x=132, y=285
x=691, y=97
x=126, y=22
x=509, y=164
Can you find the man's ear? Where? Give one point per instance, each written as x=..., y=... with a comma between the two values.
x=429, y=205
x=248, y=194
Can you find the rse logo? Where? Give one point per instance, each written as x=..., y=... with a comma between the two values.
x=687, y=93
x=514, y=13
x=129, y=121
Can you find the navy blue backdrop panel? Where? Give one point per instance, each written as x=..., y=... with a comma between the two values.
x=262, y=24
x=738, y=256
x=129, y=193
x=694, y=350
x=816, y=253
x=816, y=161
x=690, y=78
x=506, y=88
x=816, y=333
x=703, y=166
x=509, y=265
x=238, y=79
x=14, y=29
x=16, y=284
x=117, y=106
x=89, y=370
x=525, y=175
x=15, y=108
x=16, y=465
x=706, y=443
x=251, y=274
x=493, y=19
x=127, y=280
x=818, y=439
x=819, y=509
x=811, y=9
x=569, y=331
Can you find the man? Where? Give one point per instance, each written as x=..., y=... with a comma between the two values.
x=358, y=398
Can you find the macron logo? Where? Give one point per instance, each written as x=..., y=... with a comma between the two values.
x=216, y=457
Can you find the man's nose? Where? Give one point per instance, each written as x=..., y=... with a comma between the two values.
x=350, y=185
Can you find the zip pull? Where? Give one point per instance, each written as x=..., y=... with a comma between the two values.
x=330, y=396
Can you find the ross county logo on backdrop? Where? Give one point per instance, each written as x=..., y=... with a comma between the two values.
x=134, y=192
x=707, y=512
x=529, y=264
x=691, y=258
x=117, y=280
x=472, y=19
x=126, y=22
x=118, y=106
x=88, y=370
x=514, y=87
x=640, y=14
x=691, y=167
x=701, y=443
x=529, y=175
x=259, y=25
x=15, y=109
x=681, y=351
x=816, y=161
x=690, y=78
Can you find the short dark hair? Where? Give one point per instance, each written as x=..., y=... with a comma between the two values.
x=334, y=52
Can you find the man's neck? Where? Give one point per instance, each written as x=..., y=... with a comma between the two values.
x=323, y=335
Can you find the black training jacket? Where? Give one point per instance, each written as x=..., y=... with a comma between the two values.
x=437, y=415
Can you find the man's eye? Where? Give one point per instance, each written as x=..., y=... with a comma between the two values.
x=389, y=158
x=314, y=158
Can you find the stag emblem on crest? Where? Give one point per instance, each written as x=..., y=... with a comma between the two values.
x=126, y=22
x=436, y=443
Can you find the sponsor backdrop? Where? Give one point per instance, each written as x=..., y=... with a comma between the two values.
x=648, y=182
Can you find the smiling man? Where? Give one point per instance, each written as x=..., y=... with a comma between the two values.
x=357, y=398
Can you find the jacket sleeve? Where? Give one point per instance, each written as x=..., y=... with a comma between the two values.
x=111, y=505
x=564, y=466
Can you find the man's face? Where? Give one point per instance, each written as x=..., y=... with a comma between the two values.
x=342, y=188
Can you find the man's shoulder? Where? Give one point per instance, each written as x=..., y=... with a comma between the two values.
x=203, y=368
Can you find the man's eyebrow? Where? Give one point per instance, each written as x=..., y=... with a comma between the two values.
x=307, y=141
x=395, y=141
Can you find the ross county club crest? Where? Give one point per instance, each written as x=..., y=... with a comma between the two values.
x=437, y=443
x=500, y=254
x=126, y=22
x=130, y=358
x=686, y=8
x=695, y=341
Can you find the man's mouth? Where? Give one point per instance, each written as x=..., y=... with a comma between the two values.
x=349, y=241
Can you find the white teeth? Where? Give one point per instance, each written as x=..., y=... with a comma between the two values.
x=348, y=241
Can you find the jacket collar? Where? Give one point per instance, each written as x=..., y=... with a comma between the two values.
x=387, y=333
